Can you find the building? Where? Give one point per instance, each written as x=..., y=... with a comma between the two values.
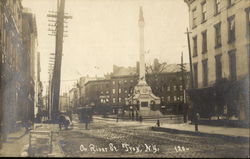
x=73, y=98
x=167, y=85
x=97, y=95
x=114, y=92
x=29, y=40
x=64, y=105
x=11, y=52
x=17, y=82
x=81, y=87
x=220, y=40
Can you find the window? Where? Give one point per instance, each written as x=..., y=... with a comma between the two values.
x=232, y=64
x=168, y=88
x=113, y=100
x=169, y=99
x=217, y=6
x=113, y=91
x=120, y=100
x=120, y=90
x=162, y=99
x=131, y=81
x=195, y=46
x=174, y=88
x=231, y=29
x=204, y=11
x=181, y=98
x=230, y=2
x=113, y=82
x=175, y=98
x=205, y=72
x=107, y=92
x=194, y=15
x=217, y=28
x=218, y=67
x=195, y=75
x=204, y=41
x=181, y=88
x=125, y=91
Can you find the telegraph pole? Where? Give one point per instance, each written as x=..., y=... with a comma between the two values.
x=58, y=31
x=190, y=60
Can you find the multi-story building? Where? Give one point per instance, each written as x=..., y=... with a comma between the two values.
x=220, y=40
x=11, y=52
x=97, y=95
x=114, y=92
x=81, y=87
x=17, y=83
x=167, y=84
x=29, y=40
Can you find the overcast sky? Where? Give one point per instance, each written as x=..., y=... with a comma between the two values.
x=104, y=33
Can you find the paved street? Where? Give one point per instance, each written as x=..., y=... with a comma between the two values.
x=126, y=139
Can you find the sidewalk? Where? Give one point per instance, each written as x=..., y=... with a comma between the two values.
x=15, y=143
x=188, y=128
x=18, y=142
x=215, y=130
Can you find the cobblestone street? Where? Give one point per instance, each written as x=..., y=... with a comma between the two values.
x=108, y=138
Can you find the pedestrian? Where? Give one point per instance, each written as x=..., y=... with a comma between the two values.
x=133, y=115
x=60, y=121
x=140, y=118
x=196, y=121
x=86, y=122
x=158, y=123
x=136, y=116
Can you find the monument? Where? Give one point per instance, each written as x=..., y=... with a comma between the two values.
x=143, y=97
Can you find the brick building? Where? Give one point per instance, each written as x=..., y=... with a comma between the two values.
x=114, y=92
x=97, y=95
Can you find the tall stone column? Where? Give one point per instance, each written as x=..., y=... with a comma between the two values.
x=141, y=24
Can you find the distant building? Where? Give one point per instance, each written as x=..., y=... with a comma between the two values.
x=220, y=42
x=98, y=94
x=81, y=87
x=166, y=84
x=115, y=91
x=64, y=105
x=73, y=98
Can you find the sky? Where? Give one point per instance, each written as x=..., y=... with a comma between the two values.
x=103, y=33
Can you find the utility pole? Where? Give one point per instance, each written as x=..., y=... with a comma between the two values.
x=183, y=71
x=117, y=110
x=190, y=60
x=58, y=31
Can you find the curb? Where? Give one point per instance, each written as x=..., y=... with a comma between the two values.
x=176, y=131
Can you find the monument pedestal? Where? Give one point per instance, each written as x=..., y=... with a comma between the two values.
x=146, y=100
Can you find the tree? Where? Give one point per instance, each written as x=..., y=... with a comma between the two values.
x=156, y=68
